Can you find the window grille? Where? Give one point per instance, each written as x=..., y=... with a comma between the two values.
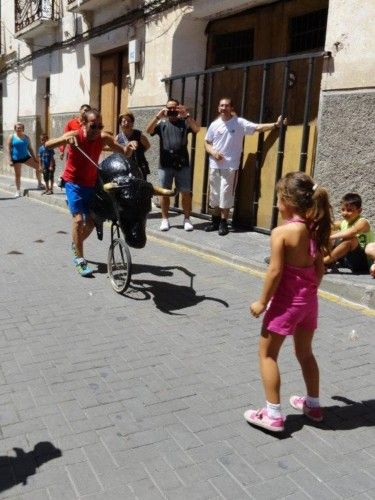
x=236, y=47
x=308, y=32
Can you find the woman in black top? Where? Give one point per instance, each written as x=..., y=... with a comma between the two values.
x=128, y=133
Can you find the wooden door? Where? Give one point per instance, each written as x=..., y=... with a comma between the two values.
x=114, y=69
x=109, y=70
x=124, y=88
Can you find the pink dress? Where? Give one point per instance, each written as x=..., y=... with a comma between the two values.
x=295, y=301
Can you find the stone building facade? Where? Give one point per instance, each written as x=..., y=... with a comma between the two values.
x=117, y=55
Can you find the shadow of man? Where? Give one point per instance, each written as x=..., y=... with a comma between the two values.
x=16, y=470
x=169, y=297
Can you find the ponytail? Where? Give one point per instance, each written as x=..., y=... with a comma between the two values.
x=320, y=214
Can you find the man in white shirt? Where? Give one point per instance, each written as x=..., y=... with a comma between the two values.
x=223, y=143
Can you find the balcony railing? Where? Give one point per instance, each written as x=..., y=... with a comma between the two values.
x=31, y=13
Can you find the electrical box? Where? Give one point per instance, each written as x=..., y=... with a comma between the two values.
x=134, y=51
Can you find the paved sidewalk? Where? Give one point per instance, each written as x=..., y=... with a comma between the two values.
x=242, y=247
x=141, y=396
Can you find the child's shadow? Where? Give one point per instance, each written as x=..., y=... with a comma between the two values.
x=16, y=470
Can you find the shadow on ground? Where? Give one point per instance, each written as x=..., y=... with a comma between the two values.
x=353, y=415
x=168, y=297
x=16, y=470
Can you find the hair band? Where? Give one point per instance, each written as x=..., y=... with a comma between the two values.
x=314, y=187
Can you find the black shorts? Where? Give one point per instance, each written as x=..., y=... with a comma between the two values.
x=48, y=174
x=356, y=260
x=22, y=160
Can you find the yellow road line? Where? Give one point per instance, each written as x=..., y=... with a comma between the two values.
x=331, y=297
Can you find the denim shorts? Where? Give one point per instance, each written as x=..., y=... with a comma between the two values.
x=181, y=177
x=78, y=198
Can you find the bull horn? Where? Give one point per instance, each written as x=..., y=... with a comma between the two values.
x=110, y=185
x=164, y=192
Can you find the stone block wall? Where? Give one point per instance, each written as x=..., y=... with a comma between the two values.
x=345, y=160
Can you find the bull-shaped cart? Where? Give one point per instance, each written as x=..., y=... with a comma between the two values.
x=124, y=198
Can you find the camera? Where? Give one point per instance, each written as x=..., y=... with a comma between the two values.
x=172, y=112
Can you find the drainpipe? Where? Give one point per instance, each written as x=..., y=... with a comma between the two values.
x=18, y=81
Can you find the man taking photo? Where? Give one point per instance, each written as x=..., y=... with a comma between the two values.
x=172, y=124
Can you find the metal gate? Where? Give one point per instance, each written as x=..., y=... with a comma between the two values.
x=287, y=86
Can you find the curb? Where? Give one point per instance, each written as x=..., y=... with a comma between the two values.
x=362, y=296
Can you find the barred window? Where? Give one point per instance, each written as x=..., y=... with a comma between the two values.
x=308, y=32
x=236, y=47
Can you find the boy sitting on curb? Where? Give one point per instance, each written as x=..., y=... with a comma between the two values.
x=353, y=235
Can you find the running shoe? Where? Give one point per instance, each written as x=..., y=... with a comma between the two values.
x=299, y=403
x=259, y=418
x=164, y=226
x=17, y=194
x=82, y=267
x=188, y=226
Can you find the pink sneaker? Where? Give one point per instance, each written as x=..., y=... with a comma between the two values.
x=299, y=403
x=261, y=419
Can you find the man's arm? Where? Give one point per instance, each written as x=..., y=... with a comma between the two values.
x=361, y=226
x=189, y=120
x=66, y=138
x=265, y=127
x=150, y=129
x=212, y=151
x=62, y=148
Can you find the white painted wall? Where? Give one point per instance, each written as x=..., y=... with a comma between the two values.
x=351, y=39
x=174, y=43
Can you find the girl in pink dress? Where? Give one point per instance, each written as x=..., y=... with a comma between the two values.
x=289, y=295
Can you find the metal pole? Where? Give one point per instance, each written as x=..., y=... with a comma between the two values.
x=194, y=138
x=170, y=87
x=259, y=153
x=280, y=152
x=182, y=90
x=205, y=173
x=306, y=115
x=245, y=77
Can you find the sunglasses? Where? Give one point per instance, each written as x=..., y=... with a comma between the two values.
x=96, y=126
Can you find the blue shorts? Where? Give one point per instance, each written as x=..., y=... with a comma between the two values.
x=78, y=198
x=182, y=178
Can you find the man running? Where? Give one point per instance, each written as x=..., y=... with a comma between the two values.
x=80, y=176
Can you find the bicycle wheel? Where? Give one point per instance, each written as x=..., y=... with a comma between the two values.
x=119, y=265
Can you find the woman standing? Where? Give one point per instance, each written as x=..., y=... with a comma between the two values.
x=128, y=133
x=20, y=151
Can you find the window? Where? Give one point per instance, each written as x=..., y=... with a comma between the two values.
x=308, y=32
x=229, y=48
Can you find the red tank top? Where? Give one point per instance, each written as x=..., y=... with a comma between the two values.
x=78, y=169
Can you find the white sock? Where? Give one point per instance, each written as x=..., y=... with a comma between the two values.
x=273, y=410
x=312, y=402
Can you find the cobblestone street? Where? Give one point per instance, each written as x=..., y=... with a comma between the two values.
x=142, y=396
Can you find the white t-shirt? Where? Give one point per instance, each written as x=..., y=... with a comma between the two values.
x=226, y=137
